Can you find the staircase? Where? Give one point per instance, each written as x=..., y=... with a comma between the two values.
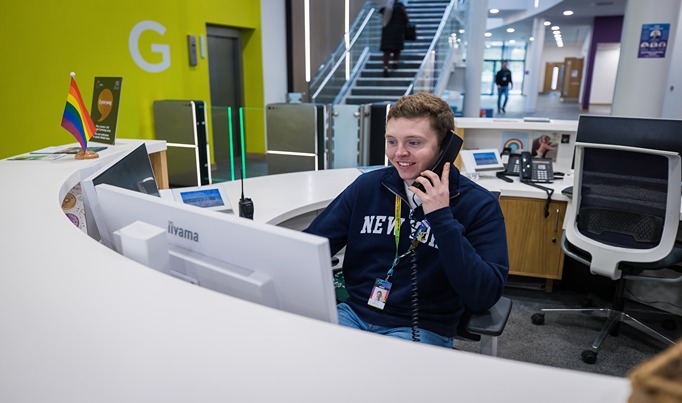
x=371, y=86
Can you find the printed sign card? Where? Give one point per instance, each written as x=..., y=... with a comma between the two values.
x=105, y=101
x=517, y=142
x=653, y=41
x=545, y=145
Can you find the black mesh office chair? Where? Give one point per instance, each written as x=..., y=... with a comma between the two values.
x=484, y=327
x=622, y=220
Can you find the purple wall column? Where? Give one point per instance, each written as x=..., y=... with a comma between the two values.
x=604, y=30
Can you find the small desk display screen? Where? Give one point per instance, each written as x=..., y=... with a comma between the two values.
x=203, y=198
x=485, y=158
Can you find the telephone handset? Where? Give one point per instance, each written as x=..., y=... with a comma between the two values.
x=449, y=150
x=526, y=167
x=530, y=169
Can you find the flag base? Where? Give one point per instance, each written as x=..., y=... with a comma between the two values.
x=88, y=155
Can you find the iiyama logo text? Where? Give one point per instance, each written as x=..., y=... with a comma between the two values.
x=182, y=232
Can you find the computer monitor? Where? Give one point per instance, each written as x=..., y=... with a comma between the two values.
x=653, y=133
x=131, y=170
x=212, y=197
x=481, y=160
x=262, y=263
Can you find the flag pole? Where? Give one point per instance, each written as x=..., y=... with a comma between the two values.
x=78, y=122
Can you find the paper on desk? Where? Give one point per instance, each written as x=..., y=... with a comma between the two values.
x=36, y=157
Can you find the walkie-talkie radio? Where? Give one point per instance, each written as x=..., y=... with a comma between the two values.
x=245, y=204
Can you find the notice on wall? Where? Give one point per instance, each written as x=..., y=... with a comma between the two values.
x=545, y=145
x=653, y=41
x=516, y=141
x=105, y=101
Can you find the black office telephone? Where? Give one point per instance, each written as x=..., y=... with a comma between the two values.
x=537, y=170
x=449, y=150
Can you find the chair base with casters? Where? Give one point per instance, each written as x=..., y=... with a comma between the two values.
x=616, y=314
x=486, y=326
x=622, y=220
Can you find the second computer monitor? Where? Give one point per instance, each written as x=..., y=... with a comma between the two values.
x=262, y=263
x=132, y=170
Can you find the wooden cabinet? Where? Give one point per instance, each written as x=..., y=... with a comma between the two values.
x=534, y=241
x=160, y=168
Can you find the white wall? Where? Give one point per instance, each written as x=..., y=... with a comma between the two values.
x=273, y=22
x=642, y=83
x=603, y=77
x=673, y=94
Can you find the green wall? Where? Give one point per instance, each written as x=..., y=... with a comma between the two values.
x=43, y=43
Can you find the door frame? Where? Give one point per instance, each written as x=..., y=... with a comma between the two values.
x=221, y=31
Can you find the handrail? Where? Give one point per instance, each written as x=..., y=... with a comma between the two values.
x=344, y=54
x=441, y=82
x=447, y=13
x=339, y=48
x=361, y=62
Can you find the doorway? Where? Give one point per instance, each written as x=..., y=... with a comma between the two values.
x=572, y=79
x=553, y=75
x=226, y=85
x=488, y=78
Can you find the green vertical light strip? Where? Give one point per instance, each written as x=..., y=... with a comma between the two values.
x=241, y=133
x=229, y=125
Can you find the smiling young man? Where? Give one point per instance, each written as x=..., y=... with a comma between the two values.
x=459, y=257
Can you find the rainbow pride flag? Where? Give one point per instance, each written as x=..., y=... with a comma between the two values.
x=76, y=117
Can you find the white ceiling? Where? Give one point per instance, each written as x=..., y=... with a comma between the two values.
x=574, y=29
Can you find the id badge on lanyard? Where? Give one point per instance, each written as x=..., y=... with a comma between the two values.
x=382, y=287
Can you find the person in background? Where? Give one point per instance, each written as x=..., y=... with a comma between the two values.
x=449, y=243
x=395, y=20
x=503, y=79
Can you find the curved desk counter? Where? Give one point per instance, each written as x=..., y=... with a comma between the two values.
x=292, y=200
x=279, y=198
x=508, y=124
x=81, y=323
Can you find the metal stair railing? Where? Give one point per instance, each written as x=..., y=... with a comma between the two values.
x=344, y=63
x=343, y=92
x=434, y=69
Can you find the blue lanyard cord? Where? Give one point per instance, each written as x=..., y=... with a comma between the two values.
x=420, y=235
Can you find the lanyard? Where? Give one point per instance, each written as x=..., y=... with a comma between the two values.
x=421, y=234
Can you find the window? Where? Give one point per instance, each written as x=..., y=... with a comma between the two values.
x=493, y=55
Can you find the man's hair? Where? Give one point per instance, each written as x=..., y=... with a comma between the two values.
x=424, y=104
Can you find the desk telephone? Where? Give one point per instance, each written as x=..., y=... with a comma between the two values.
x=530, y=169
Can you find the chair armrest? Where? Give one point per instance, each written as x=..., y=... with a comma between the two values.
x=491, y=322
x=571, y=251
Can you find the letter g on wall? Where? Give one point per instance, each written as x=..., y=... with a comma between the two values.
x=133, y=45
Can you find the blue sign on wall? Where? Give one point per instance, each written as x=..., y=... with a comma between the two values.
x=654, y=41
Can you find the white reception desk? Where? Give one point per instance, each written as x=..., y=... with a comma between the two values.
x=81, y=323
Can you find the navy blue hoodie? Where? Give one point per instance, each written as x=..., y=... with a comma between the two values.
x=463, y=260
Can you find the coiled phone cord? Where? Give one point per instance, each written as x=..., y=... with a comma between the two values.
x=414, y=297
x=547, y=190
